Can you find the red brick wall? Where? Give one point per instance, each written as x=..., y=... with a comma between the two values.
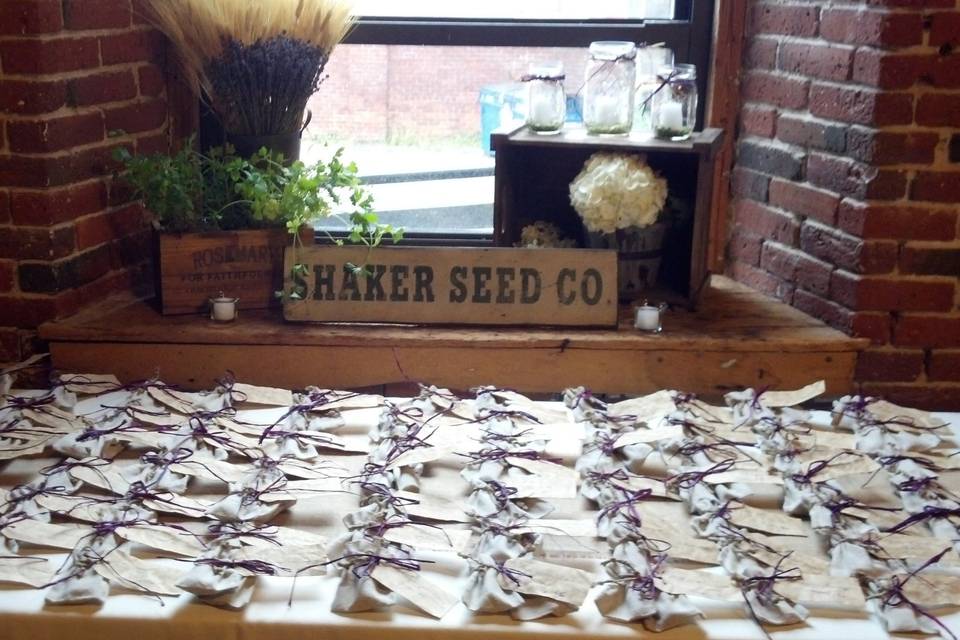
x=78, y=78
x=402, y=93
x=847, y=181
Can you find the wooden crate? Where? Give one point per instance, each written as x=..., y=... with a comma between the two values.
x=194, y=267
x=533, y=175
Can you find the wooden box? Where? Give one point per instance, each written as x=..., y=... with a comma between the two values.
x=533, y=175
x=194, y=267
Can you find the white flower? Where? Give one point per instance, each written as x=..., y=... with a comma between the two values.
x=615, y=191
x=542, y=234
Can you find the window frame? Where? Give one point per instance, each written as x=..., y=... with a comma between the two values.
x=691, y=27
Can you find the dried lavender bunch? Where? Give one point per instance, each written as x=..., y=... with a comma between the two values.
x=262, y=88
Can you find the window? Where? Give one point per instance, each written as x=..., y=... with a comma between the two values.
x=418, y=85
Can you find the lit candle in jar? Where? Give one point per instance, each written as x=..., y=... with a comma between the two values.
x=223, y=309
x=647, y=318
x=670, y=116
x=542, y=111
x=606, y=111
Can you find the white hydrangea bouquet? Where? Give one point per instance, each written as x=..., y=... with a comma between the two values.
x=617, y=191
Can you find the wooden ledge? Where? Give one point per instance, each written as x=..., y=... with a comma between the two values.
x=736, y=338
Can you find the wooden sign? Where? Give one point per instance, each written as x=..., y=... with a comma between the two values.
x=242, y=264
x=502, y=286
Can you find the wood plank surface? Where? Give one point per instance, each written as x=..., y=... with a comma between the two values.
x=527, y=369
x=731, y=318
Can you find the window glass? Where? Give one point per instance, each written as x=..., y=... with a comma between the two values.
x=511, y=9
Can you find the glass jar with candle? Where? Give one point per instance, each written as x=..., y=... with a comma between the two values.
x=675, y=102
x=546, y=99
x=649, y=61
x=609, y=86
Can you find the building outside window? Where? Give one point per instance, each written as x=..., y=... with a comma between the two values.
x=417, y=87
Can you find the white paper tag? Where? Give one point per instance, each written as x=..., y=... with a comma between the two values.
x=433, y=507
x=562, y=547
x=47, y=534
x=917, y=548
x=768, y=520
x=885, y=411
x=651, y=409
x=553, y=480
x=29, y=571
x=89, y=383
x=104, y=477
x=746, y=476
x=420, y=592
x=163, y=538
x=55, y=418
x=573, y=528
x=645, y=436
x=538, y=578
x=141, y=575
x=700, y=583
x=423, y=538
x=263, y=395
x=776, y=399
x=929, y=590
x=213, y=470
x=824, y=591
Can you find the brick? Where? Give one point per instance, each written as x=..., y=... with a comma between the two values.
x=32, y=243
x=8, y=270
x=776, y=89
x=54, y=206
x=769, y=159
x=936, y=186
x=931, y=261
x=944, y=72
x=889, y=147
x=73, y=272
x=776, y=225
x=104, y=227
x=939, y=110
x=889, y=365
x=758, y=120
x=152, y=81
x=96, y=14
x=744, y=247
x=860, y=105
x=944, y=365
x=751, y=185
x=887, y=70
x=878, y=293
x=797, y=267
x=48, y=56
x=846, y=251
x=896, y=221
x=5, y=216
x=789, y=20
x=30, y=97
x=805, y=131
x=760, y=53
x=762, y=281
x=134, y=46
x=824, y=61
x=853, y=179
x=944, y=28
x=953, y=148
x=30, y=17
x=927, y=330
x=143, y=116
x=933, y=397
x=878, y=28
x=874, y=326
x=828, y=312
x=101, y=88
x=10, y=345
x=804, y=200
x=152, y=144
x=28, y=312
x=132, y=249
x=55, y=134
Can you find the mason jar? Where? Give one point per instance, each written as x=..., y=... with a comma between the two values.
x=649, y=61
x=608, y=88
x=675, y=102
x=546, y=98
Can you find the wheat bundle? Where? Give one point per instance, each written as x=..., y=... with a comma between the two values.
x=258, y=61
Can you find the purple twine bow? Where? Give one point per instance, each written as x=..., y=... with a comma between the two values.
x=258, y=567
x=764, y=586
x=513, y=575
x=895, y=597
x=227, y=383
x=928, y=513
x=230, y=530
x=690, y=479
x=629, y=501
x=816, y=467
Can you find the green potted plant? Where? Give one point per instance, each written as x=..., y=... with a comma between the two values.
x=223, y=220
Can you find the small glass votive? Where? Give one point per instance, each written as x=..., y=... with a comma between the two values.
x=675, y=103
x=546, y=98
x=223, y=309
x=647, y=317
